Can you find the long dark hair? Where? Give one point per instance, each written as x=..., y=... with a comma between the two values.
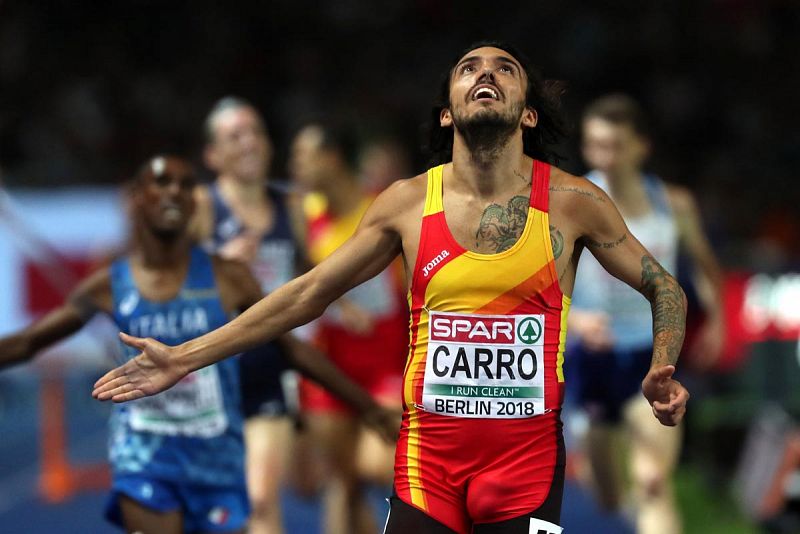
x=542, y=95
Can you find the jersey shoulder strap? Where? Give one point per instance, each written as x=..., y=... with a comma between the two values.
x=540, y=185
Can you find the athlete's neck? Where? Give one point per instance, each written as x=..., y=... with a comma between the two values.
x=242, y=192
x=162, y=252
x=343, y=192
x=486, y=176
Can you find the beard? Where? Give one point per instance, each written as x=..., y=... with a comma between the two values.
x=168, y=235
x=487, y=131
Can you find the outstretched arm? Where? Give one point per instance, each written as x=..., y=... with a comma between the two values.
x=608, y=238
x=239, y=290
x=374, y=245
x=81, y=305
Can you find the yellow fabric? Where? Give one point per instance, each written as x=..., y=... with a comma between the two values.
x=323, y=243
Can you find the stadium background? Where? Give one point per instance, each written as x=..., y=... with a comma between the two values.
x=89, y=90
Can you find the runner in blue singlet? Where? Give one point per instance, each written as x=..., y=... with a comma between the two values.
x=177, y=458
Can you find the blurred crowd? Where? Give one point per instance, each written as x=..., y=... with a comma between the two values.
x=89, y=90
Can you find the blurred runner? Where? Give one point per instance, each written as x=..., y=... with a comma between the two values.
x=382, y=162
x=177, y=458
x=613, y=327
x=244, y=216
x=364, y=333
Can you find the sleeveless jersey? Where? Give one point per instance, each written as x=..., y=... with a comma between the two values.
x=484, y=371
x=275, y=262
x=191, y=433
x=629, y=312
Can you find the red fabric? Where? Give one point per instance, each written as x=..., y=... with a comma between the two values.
x=375, y=361
x=498, y=470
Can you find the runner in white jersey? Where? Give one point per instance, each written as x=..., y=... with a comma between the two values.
x=610, y=324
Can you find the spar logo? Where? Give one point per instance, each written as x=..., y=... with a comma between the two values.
x=461, y=328
x=434, y=262
x=529, y=330
x=487, y=329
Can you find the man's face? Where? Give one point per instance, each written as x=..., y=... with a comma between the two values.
x=241, y=147
x=613, y=148
x=164, y=197
x=487, y=85
x=308, y=160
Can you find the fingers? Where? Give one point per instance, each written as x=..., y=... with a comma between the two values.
x=119, y=390
x=663, y=373
x=662, y=412
x=679, y=397
x=107, y=389
x=133, y=394
x=104, y=383
x=672, y=412
x=135, y=342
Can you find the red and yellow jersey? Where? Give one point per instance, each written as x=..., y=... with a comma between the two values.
x=326, y=233
x=484, y=371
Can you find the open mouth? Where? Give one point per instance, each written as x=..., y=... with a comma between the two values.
x=172, y=213
x=485, y=92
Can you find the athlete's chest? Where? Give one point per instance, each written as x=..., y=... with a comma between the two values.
x=159, y=285
x=487, y=226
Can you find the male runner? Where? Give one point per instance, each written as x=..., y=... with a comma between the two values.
x=243, y=216
x=365, y=333
x=611, y=325
x=177, y=459
x=490, y=242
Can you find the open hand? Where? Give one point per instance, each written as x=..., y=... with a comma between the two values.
x=151, y=372
x=666, y=395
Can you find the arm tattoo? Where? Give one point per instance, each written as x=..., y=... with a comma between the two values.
x=669, y=311
x=583, y=192
x=610, y=244
x=557, y=240
x=500, y=227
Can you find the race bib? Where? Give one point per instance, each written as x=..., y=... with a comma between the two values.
x=485, y=366
x=193, y=407
x=540, y=526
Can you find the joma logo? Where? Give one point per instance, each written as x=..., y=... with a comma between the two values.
x=434, y=262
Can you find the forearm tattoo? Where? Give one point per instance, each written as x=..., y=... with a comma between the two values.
x=669, y=311
x=500, y=227
x=610, y=244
